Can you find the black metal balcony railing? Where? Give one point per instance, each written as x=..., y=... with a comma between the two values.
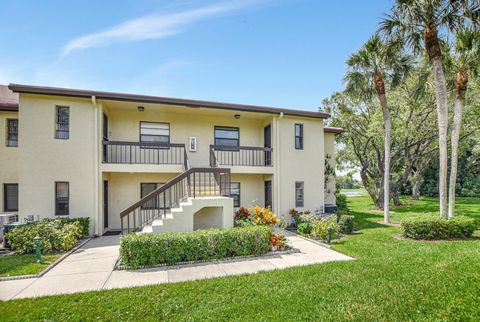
x=241, y=156
x=144, y=153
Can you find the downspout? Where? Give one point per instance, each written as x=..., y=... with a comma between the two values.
x=95, y=166
x=277, y=162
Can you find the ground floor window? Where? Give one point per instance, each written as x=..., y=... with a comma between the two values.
x=149, y=187
x=235, y=193
x=299, y=194
x=10, y=197
x=62, y=198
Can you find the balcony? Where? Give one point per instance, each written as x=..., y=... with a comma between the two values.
x=242, y=159
x=144, y=156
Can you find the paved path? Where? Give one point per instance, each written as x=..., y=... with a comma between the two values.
x=91, y=268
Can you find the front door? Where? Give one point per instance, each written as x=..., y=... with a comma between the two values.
x=105, y=204
x=268, y=193
x=267, y=143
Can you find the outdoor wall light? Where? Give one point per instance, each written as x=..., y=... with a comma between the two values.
x=141, y=108
x=237, y=116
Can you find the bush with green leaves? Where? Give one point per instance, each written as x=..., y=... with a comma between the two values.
x=345, y=224
x=138, y=250
x=304, y=228
x=83, y=221
x=57, y=235
x=306, y=217
x=435, y=227
x=320, y=227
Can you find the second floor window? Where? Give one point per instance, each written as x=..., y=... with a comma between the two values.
x=62, y=123
x=299, y=194
x=299, y=136
x=227, y=136
x=62, y=198
x=12, y=132
x=155, y=132
x=235, y=193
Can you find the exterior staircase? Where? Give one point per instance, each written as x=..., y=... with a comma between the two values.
x=196, y=198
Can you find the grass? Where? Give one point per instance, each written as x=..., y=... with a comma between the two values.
x=24, y=264
x=390, y=280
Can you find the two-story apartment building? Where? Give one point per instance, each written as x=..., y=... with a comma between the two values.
x=135, y=160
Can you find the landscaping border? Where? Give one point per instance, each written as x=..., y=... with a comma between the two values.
x=49, y=267
x=291, y=250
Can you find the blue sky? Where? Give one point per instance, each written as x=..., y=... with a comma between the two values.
x=285, y=53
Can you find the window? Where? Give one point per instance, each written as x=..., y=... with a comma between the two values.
x=62, y=126
x=62, y=196
x=299, y=136
x=10, y=197
x=299, y=194
x=227, y=136
x=12, y=132
x=155, y=132
x=145, y=189
x=235, y=193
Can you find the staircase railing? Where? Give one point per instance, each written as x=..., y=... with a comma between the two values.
x=194, y=182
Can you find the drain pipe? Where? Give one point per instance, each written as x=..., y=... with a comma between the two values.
x=277, y=161
x=95, y=166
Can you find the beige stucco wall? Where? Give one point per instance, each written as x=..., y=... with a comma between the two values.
x=43, y=160
x=251, y=189
x=125, y=126
x=305, y=165
x=329, y=143
x=124, y=190
x=8, y=156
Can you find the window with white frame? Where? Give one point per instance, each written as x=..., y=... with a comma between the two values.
x=155, y=132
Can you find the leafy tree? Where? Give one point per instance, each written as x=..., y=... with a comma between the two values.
x=370, y=68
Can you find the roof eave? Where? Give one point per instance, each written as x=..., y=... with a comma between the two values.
x=28, y=89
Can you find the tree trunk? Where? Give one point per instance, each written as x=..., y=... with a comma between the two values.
x=380, y=87
x=396, y=200
x=442, y=114
x=417, y=181
x=456, y=127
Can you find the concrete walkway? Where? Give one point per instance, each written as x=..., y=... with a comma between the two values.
x=91, y=268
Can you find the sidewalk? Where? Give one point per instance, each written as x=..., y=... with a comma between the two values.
x=91, y=268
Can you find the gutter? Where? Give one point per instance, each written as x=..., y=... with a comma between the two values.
x=95, y=166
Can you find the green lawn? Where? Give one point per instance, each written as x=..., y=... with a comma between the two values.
x=390, y=280
x=23, y=264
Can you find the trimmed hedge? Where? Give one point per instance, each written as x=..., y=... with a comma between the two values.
x=137, y=250
x=435, y=227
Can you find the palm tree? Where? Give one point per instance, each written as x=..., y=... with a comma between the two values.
x=422, y=23
x=374, y=64
x=463, y=63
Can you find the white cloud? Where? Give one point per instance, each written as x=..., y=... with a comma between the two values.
x=155, y=26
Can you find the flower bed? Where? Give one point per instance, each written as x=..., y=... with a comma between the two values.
x=435, y=227
x=141, y=250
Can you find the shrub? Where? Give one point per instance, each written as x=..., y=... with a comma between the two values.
x=345, y=224
x=57, y=235
x=320, y=227
x=435, y=227
x=83, y=221
x=283, y=223
x=304, y=228
x=138, y=250
x=264, y=216
x=306, y=217
x=277, y=241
